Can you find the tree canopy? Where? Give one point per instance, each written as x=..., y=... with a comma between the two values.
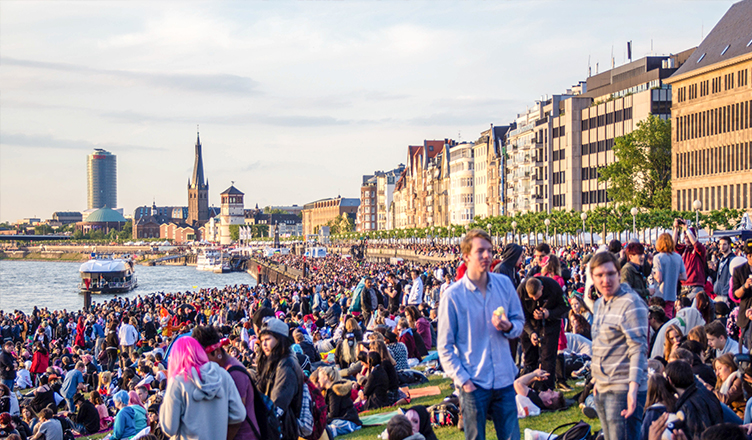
x=641, y=175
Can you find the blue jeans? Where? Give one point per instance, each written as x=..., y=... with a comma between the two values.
x=502, y=406
x=729, y=416
x=748, y=412
x=609, y=406
x=10, y=383
x=342, y=427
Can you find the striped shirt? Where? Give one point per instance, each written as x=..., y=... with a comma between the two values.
x=620, y=341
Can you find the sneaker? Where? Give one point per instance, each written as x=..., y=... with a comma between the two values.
x=590, y=412
x=580, y=383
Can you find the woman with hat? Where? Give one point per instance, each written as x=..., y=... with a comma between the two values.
x=280, y=376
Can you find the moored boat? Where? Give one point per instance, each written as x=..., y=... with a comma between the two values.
x=108, y=275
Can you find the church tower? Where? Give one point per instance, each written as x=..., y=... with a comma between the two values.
x=198, y=191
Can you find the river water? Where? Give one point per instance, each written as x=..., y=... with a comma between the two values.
x=24, y=284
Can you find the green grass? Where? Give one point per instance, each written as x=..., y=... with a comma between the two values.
x=544, y=422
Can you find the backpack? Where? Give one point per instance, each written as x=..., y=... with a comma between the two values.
x=265, y=410
x=313, y=412
x=578, y=431
x=444, y=414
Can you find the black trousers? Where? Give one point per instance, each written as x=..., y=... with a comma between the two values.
x=543, y=355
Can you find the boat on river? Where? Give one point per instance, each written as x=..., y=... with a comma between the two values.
x=108, y=275
x=213, y=260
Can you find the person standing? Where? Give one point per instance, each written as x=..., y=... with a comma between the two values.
x=416, y=291
x=668, y=270
x=128, y=336
x=394, y=293
x=473, y=341
x=8, y=365
x=741, y=285
x=544, y=307
x=620, y=345
x=723, y=276
x=73, y=383
x=693, y=254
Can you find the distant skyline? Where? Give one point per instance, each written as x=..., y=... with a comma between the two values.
x=295, y=101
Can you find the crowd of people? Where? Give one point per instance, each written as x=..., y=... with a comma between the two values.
x=654, y=335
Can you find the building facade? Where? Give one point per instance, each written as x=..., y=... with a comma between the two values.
x=711, y=138
x=320, y=212
x=366, y=217
x=461, y=184
x=198, y=190
x=101, y=177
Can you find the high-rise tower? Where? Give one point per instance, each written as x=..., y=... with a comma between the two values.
x=198, y=191
x=101, y=172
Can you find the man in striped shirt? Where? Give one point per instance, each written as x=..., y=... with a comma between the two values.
x=620, y=348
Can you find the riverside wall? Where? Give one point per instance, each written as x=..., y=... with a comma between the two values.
x=384, y=255
x=265, y=272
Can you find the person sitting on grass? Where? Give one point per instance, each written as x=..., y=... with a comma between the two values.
x=400, y=428
x=86, y=418
x=548, y=399
x=49, y=427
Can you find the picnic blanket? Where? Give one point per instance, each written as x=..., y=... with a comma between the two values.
x=421, y=392
x=379, y=419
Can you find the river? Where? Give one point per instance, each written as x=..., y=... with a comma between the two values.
x=25, y=284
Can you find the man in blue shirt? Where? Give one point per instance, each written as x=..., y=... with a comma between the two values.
x=74, y=381
x=477, y=317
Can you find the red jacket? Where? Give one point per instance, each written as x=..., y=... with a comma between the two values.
x=40, y=362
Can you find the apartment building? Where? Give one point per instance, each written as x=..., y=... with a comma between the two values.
x=461, y=184
x=712, y=118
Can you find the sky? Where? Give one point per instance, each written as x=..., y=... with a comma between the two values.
x=295, y=101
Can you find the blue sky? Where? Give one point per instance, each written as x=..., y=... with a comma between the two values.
x=295, y=100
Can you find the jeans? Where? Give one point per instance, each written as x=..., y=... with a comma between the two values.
x=748, y=412
x=729, y=416
x=10, y=383
x=502, y=406
x=342, y=427
x=609, y=406
x=81, y=429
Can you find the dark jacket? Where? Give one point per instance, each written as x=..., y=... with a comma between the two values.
x=633, y=276
x=721, y=285
x=391, y=373
x=310, y=351
x=552, y=299
x=370, y=300
x=332, y=314
x=88, y=416
x=339, y=403
x=508, y=266
x=376, y=388
x=409, y=341
x=701, y=410
x=739, y=277
x=7, y=370
x=285, y=389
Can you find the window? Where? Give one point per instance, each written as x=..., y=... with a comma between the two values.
x=723, y=52
x=701, y=57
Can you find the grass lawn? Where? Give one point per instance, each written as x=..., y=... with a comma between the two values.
x=545, y=422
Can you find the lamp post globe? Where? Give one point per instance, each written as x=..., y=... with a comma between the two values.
x=697, y=205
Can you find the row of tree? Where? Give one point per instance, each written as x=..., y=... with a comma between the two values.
x=615, y=219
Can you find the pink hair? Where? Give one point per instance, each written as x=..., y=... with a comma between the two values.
x=133, y=399
x=186, y=354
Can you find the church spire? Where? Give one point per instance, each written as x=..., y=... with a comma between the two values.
x=198, y=180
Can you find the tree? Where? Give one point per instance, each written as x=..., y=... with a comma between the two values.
x=42, y=230
x=234, y=232
x=641, y=175
x=341, y=224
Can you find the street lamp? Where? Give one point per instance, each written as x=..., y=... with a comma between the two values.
x=697, y=205
x=547, y=222
x=583, y=217
x=514, y=231
x=634, y=212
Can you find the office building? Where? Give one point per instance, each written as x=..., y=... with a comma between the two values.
x=101, y=173
x=711, y=139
